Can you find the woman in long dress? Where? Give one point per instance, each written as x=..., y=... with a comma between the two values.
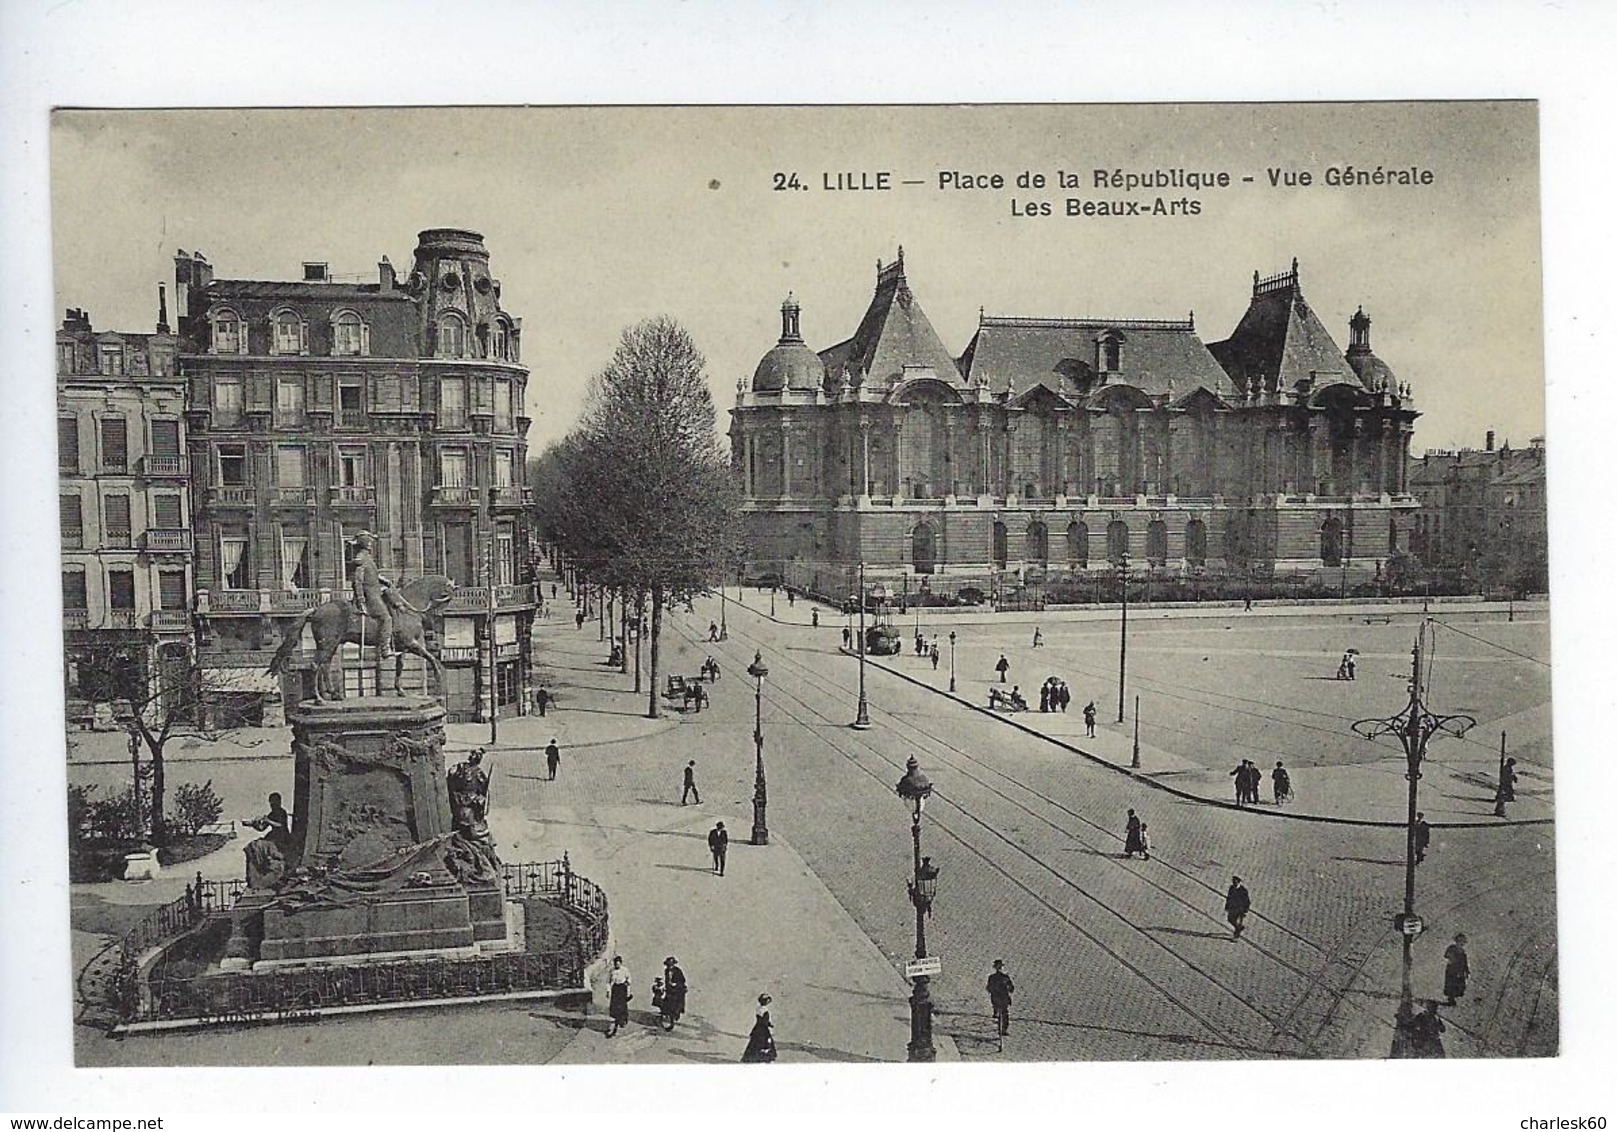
x=618, y=1001
x=761, y=1042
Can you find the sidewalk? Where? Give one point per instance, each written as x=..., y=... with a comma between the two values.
x=1457, y=780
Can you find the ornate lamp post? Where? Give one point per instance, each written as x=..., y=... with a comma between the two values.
x=1414, y=726
x=861, y=719
x=1123, y=636
x=724, y=627
x=951, y=660
x=760, y=791
x=917, y=788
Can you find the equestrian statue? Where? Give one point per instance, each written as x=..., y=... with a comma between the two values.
x=394, y=618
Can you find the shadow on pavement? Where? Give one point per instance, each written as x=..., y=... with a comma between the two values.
x=1370, y=861
x=1176, y=1039
x=1187, y=931
x=685, y=868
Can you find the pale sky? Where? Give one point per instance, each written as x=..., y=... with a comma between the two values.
x=596, y=218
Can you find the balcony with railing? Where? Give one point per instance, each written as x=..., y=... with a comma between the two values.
x=512, y=496
x=231, y=495
x=75, y=618
x=170, y=621
x=454, y=495
x=229, y=601
x=163, y=467
x=474, y=599
x=295, y=601
x=122, y=619
x=353, y=495
x=166, y=540
x=352, y=418
x=292, y=497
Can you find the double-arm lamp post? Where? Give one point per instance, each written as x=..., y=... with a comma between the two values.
x=760, y=791
x=915, y=787
x=1414, y=726
x=861, y=718
x=951, y=660
x=1123, y=637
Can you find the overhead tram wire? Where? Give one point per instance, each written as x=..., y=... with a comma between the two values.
x=1492, y=644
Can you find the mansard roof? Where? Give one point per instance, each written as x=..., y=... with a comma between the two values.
x=1280, y=341
x=894, y=333
x=1159, y=358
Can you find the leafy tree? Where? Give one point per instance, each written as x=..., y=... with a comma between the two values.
x=643, y=500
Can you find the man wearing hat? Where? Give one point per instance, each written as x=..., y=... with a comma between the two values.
x=368, y=586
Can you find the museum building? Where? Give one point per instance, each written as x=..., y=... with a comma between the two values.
x=324, y=406
x=1058, y=447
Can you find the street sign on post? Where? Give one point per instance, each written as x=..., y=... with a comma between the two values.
x=1409, y=925
x=931, y=965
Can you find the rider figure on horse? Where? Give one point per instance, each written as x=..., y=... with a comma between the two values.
x=370, y=594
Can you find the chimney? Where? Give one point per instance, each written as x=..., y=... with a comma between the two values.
x=162, y=310
x=386, y=274
x=1488, y=443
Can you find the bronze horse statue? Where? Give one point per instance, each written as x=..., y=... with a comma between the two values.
x=339, y=621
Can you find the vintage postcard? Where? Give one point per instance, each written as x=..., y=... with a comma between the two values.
x=834, y=584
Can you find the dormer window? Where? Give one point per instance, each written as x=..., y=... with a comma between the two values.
x=451, y=336
x=1109, y=352
x=112, y=359
x=498, y=340
x=288, y=334
x=350, y=337
x=229, y=333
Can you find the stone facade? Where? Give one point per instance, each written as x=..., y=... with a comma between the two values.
x=1066, y=446
x=318, y=408
x=1483, y=514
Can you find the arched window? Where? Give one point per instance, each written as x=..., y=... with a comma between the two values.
x=1196, y=542
x=1001, y=550
x=229, y=333
x=1038, y=543
x=923, y=549
x=287, y=333
x=451, y=336
x=1078, y=544
x=1156, y=542
x=1330, y=542
x=350, y=337
x=498, y=340
x=1117, y=542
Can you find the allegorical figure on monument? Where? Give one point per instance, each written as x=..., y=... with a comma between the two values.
x=373, y=591
x=471, y=855
x=266, y=855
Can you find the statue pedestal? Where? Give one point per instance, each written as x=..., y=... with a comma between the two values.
x=370, y=795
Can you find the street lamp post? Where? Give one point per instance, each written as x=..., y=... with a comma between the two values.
x=1414, y=726
x=861, y=718
x=1123, y=637
x=760, y=791
x=917, y=788
x=724, y=626
x=1134, y=762
x=951, y=660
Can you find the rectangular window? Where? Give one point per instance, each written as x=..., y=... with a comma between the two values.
x=171, y=590
x=166, y=512
x=75, y=595
x=288, y=330
x=117, y=529
x=502, y=467
x=64, y=357
x=227, y=336
x=232, y=465
x=351, y=403
x=351, y=467
x=289, y=401
x=458, y=554
x=289, y=465
x=502, y=406
x=114, y=444
x=348, y=337
x=295, y=561
x=454, y=467
x=227, y=400
x=72, y=522
x=452, y=403
x=121, y=589
x=506, y=561
x=67, y=444
x=166, y=438
x=112, y=360
x=233, y=562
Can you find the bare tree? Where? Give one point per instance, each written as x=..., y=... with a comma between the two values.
x=646, y=502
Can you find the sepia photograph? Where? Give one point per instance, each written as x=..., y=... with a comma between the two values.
x=829, y=584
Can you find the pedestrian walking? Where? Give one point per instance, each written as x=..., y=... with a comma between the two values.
x=552, y=758
x=1131, y=836
x=690, y=784
x=1281, y=778
x=1038, y=637
x=718, y=843
x=791, y=598
x=761, y=1042
x=1254, y=778
x=1508, y=780
x=674, y=991
x=1044, y=696
x=712, y=631
x=1063, y=695
x=1239, y=774
x=1237, y=903
x=814, y=617
x=619, y=996
x=1000, y=989
x=1456, y=969
x=1352, y=664
x=1002, y=667
x=1145, y=841
x=935, y=655
x=578, y=619
x=1089, y=719
x=552, y=589
x=541, y=700
x=1423, y=837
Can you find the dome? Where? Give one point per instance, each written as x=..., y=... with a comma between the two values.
x=790, y=365
x=1373, y=373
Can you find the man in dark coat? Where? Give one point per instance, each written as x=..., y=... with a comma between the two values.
x=690, y=784
x=1131, y=836
x=552, y=758
x=1237, y=903
x=541, y=700
x=1239, y=774
x=1089, y=719
x=718, y=843
x=674, y=987
x=1002, y=667
x=1456, y=969
x=1000, y=989
x=1423, y=837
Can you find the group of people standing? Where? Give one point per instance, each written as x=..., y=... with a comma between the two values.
x=1248, y=776
x=1054, y=695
